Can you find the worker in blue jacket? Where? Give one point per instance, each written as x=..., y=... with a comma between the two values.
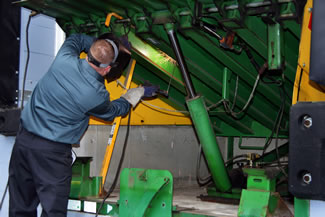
x=57, y=116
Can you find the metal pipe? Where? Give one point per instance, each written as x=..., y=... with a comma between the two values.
x=219, y=37
x=180, y=60
x=201, y=120
x=207, y=137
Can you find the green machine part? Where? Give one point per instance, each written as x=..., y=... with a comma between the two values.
x=260, y=198
x=81, y=184
x=275, y=47
x=146, y=192
x=302, y=207
x=209, y=143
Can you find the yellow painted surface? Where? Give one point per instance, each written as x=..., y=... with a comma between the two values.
x=309, y=90
x=143, y=114
x=114, y=132
x=109, y=17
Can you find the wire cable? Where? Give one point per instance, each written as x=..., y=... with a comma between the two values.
x=277, y=133
x=32, y=14
x=4, y=194
x=118, y=167
x=201, y=181
x=269, y=140
x=226, y=105
x=163, y=109
x=236, y=93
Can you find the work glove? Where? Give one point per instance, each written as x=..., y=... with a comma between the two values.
x=150, y=91
x=134, y=95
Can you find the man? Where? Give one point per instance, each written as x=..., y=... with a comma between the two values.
x=56, y=116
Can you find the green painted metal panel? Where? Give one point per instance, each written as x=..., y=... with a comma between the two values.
x=254, y=203
x=302, y=207
x=82, y=185
x=145, y=192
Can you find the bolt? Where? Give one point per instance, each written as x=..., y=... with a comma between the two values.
x=307, y=178
x=17, y=72
x=310, y=9
x=18, y=38
x=304, y=65
x=307, y=121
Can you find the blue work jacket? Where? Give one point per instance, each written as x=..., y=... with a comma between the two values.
x=68, y=94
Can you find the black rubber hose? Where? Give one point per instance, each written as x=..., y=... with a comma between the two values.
x=32, y=14
x=118, y=167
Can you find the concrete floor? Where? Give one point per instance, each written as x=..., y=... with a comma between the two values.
x=186, y=201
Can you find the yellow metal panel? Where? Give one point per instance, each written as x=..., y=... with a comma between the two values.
x=305, y=89
x=114, y=131
x=144, y=114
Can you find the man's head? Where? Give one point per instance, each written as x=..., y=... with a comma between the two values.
x=101, y=55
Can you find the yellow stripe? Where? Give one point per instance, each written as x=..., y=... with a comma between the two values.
x=116, y=123
x=308, y=90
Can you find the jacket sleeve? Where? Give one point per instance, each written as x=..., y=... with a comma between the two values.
x=75, y=44
x=108, y=110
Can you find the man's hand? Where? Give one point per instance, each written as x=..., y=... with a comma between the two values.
x=150, y=91
x=134, y=95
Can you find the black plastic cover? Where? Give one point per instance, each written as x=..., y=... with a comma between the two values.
x=9, y=121
x=307, y=150
x=9, y=55
x=317, y=53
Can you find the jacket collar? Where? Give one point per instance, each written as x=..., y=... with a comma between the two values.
x=87, y=68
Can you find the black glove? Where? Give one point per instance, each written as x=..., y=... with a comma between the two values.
x=150, y=91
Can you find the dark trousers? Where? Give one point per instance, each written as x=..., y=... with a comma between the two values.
x=39, y=172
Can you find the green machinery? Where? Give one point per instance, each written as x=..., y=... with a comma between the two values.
x=236, y=65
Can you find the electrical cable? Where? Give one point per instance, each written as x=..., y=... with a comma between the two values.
x=277, y=132
x=238, y=161
x=236, y=93
x=201, y=181
x=32, y=14
x=234, y=158
x=250, y=97
x=226, y=105
x=163, y=109
x=118, y=167
x=4, y=194
x=269, y=140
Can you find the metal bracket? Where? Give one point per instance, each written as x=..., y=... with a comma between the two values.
x=260, y=198
x=146, y=192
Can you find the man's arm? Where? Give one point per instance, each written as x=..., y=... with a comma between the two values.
x=109, y=110
x=75, y=44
